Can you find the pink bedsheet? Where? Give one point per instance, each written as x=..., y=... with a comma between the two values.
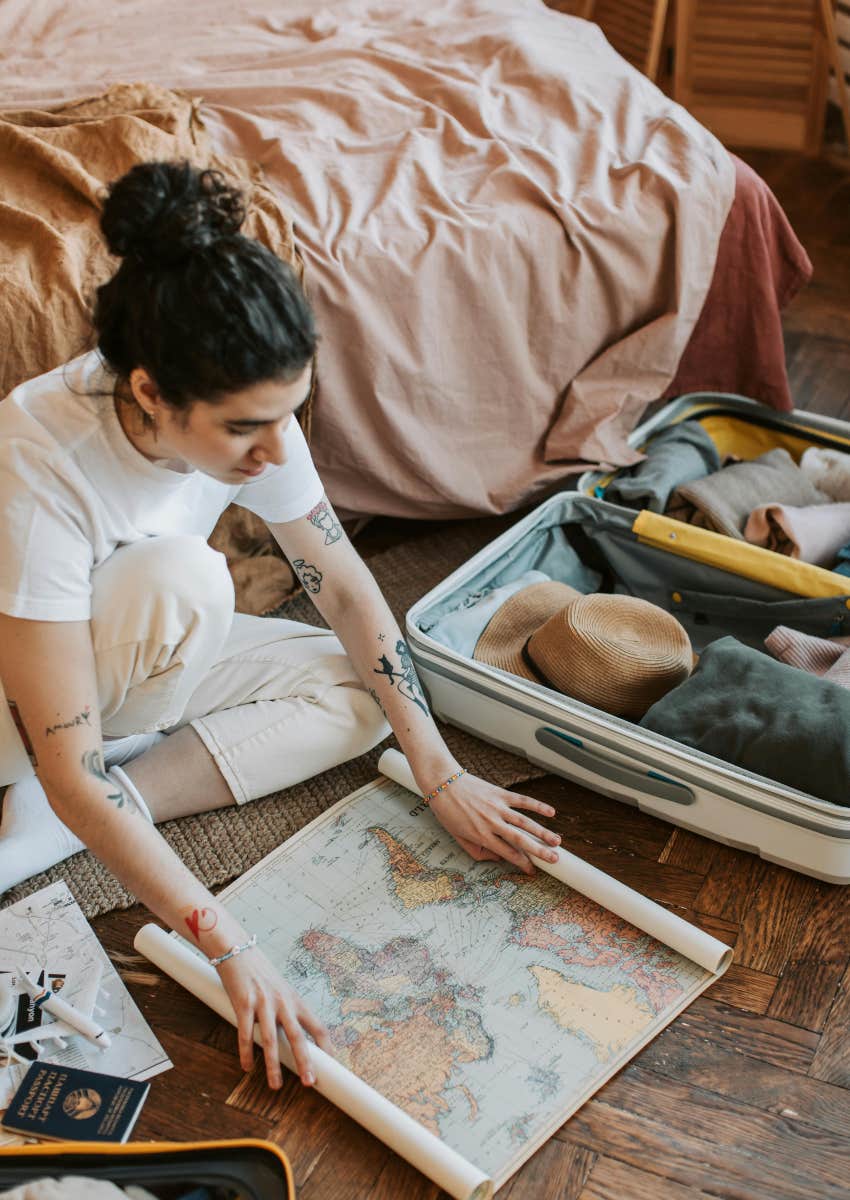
x=508, y=233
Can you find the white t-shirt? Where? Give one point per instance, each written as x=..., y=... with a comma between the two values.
x=73, y=489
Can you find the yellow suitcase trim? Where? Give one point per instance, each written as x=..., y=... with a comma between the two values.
x=742, y=437
x=737, y=557
x=734, y=435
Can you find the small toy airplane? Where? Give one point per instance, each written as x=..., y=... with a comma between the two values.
x=63, y=1019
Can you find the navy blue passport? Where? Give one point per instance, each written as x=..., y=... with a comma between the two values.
x=69, y=1104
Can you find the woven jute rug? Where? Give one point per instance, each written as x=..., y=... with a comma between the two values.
x=220, y=845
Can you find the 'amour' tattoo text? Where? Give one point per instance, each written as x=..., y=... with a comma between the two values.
x=82, y=718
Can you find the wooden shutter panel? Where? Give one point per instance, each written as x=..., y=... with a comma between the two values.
x=753, y=71
x=635, y=28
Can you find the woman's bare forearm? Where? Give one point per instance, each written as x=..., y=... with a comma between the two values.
x=48, y=671
x=104, y=817
x=381, y=656
x=343, y=589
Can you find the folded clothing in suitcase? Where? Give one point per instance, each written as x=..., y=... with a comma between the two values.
x=717, y=587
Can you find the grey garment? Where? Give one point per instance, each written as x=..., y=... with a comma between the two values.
x=675, y=456
x=723, y=501
x=458, y=619
x=461, y=628
x=842, y=565
x=742, y=706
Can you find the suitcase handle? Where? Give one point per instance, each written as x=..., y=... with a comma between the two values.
x=597, y=763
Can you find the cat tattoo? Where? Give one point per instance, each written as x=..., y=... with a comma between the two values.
x=408, y=681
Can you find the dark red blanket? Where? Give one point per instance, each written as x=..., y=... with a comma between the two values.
x=737, y=344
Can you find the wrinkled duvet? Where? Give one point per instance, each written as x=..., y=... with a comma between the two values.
x=508, y=233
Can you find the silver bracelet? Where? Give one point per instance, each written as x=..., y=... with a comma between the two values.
x=234, y=950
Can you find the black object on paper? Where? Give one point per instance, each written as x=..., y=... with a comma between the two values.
x=70, y=1104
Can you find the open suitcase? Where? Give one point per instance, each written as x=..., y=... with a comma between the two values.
x=713, y=584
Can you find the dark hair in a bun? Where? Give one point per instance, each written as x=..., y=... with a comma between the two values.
x=204, y=309
x=162, y=212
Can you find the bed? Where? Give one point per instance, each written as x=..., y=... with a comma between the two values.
x=513, y=241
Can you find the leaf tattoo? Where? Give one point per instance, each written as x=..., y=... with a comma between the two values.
x=92, y=760
x=379, y=702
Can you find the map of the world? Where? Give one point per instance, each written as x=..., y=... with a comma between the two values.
x=485, y=1003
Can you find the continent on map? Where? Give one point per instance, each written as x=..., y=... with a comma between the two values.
x=547, y=915
x=406, y=1026
x=552, y=917
x=413, y=883
x=609, y=1019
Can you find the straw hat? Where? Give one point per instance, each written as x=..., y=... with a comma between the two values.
x=618, y=653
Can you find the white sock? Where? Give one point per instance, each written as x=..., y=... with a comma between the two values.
x=32, y=838
x=127, y=784
x=120, y=750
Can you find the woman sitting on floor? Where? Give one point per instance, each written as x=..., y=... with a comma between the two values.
x=139, y=693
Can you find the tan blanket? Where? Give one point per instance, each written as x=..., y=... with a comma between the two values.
x=53, y=167
x=508, y=232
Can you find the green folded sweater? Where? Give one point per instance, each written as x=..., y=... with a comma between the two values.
x=768, y=717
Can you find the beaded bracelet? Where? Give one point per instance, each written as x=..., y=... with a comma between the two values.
x=442, y=787
x=234, y=950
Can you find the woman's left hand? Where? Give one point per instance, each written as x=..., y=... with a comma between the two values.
x=488, y=822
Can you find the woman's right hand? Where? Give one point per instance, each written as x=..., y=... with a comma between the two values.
x=259, y=995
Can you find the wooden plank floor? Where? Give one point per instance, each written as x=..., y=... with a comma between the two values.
x=747, y=1095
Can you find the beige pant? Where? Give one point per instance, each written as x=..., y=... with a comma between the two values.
x=273, y=701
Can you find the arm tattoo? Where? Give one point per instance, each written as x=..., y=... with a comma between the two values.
x=322, y=517
x=80, y=719
x=379, y=702
x=92, y=760
x=408, y=681
x=22, y=732
x=201, y=920
x=310, y=576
